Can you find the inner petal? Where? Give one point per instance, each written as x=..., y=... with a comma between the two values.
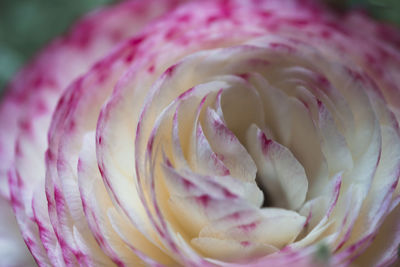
x=282, y=176
x=224, y=142
x=290, y=122
x=241, y=106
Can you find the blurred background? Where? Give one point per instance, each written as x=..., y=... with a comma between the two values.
x=27, y=25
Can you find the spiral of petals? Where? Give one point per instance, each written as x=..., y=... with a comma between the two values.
x=208, y=133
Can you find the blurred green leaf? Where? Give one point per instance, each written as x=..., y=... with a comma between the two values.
x=386, y=10
x=27, y=25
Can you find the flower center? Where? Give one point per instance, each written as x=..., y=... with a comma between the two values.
x=268, y=202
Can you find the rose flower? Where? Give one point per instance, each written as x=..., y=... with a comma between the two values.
x=205, y=133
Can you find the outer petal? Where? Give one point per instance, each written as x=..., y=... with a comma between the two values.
x=31, y=100
x=12, y=248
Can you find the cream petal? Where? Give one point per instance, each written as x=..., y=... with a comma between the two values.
x=224, y=143
x=231, y=250
x=279, y=172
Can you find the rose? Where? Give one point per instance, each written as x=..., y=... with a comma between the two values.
x=160, y=152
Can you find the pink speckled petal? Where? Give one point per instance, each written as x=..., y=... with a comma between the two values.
x=139, y=142
x=278, y=170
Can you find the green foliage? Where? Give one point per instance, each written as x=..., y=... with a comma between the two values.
x=27, y=25
x=387, y=10
x=322, y=254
